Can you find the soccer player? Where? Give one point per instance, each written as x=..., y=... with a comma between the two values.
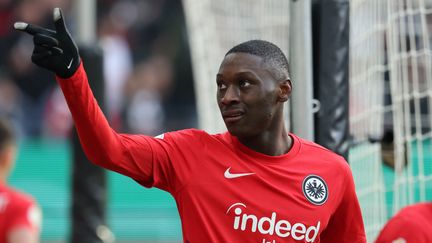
x=20, y=217
x=411, y=224
x=254, y=183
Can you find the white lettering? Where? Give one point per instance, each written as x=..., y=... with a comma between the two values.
x=295, y=229
x=271, y=224
x=312, y=229
x=238, y=212
x=265, y=241
x=283, y=225
x=254, y=222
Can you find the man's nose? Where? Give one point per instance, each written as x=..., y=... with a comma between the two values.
x=231, y=95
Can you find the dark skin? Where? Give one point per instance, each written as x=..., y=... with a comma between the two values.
x=251, y=100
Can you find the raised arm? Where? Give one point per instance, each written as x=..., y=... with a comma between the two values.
x=56, y=51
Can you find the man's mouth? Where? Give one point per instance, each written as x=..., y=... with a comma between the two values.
x=232, y=116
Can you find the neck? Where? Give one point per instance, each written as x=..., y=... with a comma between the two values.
x=273, y=142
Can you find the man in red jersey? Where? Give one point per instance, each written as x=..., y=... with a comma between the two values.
x=254, y=183
x=20, y=217
x=411, y=224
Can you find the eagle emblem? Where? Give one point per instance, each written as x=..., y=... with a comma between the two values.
x=315, y=189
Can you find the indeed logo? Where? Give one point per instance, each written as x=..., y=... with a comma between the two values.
x=271, y=225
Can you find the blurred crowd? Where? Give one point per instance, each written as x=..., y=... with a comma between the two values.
x=146, y=68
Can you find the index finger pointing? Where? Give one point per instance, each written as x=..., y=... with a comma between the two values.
x=20, y=25
x=32, y=29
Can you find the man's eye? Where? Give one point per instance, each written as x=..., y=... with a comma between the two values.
x=244, y=83
x=221, y=86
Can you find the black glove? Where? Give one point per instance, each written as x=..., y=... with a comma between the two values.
x=53, y=50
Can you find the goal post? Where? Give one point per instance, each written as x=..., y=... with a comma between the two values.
x=390, y=106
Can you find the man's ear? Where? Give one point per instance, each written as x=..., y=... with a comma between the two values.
x=285, y=89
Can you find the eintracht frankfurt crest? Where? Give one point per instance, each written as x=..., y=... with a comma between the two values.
x=315, y=189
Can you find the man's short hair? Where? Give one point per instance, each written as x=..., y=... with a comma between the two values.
x=271, y=54
x=7, y=135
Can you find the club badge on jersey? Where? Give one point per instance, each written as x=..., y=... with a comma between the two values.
x=315, y=189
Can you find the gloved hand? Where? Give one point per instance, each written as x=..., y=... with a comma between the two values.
x=53, y=50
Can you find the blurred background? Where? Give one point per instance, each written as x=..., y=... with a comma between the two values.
x=159, y=61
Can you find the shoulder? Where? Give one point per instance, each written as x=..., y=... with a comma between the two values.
x=21, y=199
x=309, y=145
x=185, y=134
x=17, y=203
x=23, y=210
x=411, y=223
x=415, y=211
x=315, y=152
x=185, y=138
x=190, y=134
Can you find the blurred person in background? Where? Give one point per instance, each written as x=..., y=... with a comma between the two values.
x=412, y=224
x=113, y=28
x=151, y=28
x=145, y=91
x=10, y=101
x=159, y=30
x=289, y=189
x=35, y=86
x=20, y=216
x=57, y=123
x=155, y=31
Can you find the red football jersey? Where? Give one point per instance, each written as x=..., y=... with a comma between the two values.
x=226, y=192
x=412, y=224
x=17, y=210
